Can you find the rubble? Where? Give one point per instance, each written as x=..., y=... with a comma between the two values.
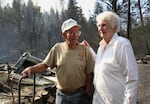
x=44, y=83
x=144, y=60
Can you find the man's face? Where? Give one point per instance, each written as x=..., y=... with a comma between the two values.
x=72, y=35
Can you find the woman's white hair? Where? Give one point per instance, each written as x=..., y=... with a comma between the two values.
x=112, y=18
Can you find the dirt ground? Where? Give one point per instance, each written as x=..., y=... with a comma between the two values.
x=144, y=84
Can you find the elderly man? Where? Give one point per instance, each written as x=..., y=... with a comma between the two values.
x=74, y=65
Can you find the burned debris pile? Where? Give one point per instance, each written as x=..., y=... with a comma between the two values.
x=15, y=89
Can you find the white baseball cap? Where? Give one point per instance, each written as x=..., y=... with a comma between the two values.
x=68, y=24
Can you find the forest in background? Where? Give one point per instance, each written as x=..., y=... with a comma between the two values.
x=23, y=27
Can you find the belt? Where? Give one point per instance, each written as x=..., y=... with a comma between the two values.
x=72, y=91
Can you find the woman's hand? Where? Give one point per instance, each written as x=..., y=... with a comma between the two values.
x=85, y=43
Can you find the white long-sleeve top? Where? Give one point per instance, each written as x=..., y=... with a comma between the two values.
x=115, y=73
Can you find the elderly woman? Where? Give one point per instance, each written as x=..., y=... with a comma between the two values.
x=115, y=72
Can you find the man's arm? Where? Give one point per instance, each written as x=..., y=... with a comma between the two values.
x=40, y=67
x=89, y=83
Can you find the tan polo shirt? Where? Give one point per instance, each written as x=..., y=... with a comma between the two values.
x=72, y=65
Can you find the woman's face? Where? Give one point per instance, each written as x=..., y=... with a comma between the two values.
x=105, y=30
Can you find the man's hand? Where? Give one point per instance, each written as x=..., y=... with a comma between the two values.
x=27, y=72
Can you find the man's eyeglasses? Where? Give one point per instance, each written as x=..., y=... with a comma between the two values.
x=73, y=32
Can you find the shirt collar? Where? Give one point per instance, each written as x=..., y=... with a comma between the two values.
x=102, y=42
